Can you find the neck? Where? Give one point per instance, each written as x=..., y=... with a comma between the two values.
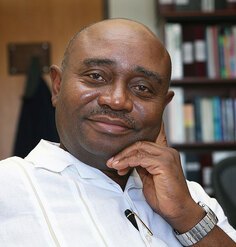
x=121, y=180
x=100, y=163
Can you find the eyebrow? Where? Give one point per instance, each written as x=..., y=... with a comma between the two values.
x=98, y=61
x=148, y=73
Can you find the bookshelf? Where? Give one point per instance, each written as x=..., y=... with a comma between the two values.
x=198, y=80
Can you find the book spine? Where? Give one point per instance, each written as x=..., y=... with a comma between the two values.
x=173, y=41
x=211, y=69
x=206, y=111
x=217, y=118
x=189, y=122
x=200, y=50
x=221, y=52
x=188, y=50
x=187, y=5
x=175, y=117
x=197, y=116
x=166, y=5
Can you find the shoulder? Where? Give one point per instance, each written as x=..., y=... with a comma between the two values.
x=10, y=169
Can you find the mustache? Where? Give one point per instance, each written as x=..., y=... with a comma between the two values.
x=117, y=114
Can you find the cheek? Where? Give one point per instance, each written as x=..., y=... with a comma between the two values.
x=77, y=94
x=150, y=114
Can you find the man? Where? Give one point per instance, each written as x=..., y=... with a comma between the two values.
x=113, y=181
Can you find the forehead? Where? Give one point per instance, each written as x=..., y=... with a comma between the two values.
x=128, y=45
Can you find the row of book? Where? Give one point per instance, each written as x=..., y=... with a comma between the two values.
x=195, y=5
x=205, y=119
x=201, y=50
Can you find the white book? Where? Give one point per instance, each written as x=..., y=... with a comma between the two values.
x=174, y=120
x=207, y=119
x=211, y=69
x=173, y=41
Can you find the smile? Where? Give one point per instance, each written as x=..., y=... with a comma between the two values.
x=106, y=124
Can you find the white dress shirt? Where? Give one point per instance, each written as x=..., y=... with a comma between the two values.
x=50, y=199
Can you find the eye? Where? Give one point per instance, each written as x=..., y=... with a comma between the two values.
x=96, y=76
x=142, y=88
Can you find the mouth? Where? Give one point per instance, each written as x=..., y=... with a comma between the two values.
x=110, y=125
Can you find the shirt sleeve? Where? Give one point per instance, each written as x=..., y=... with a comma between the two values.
x=198, y=194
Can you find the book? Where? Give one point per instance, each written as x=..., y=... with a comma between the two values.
x=212, y=60
x=230, y=119
x=189, y=122
x=232, y=52
x=199, y=50
x=197, y=117
x=207, y=126
x=207, y=5
x=221, y=51
x=173, y=41
x=166, y=5
x=175, y=117
x=188, y=50
x=216, y=101
x=187, y=5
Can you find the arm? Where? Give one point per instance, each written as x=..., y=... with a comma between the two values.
x=165, y=188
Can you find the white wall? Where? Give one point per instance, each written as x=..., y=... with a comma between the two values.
x=139, y=10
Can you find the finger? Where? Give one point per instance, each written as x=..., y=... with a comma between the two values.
x=161, y=138
x=152, y=166
x=138, y=150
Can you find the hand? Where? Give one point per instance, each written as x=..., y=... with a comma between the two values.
x=164, y=184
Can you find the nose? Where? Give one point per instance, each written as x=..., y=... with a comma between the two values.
x=117, y=97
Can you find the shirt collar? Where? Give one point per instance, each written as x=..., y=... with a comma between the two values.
x=48, y=155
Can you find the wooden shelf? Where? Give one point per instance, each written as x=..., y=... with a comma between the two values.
x=185, y=16
x=203, y=81
x=199, y=146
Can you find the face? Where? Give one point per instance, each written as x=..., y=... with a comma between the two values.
x=112, y=92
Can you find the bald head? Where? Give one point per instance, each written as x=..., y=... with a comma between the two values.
x=113, y=28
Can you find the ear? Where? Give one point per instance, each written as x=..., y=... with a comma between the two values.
x=56, y=76
x=169, y=96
